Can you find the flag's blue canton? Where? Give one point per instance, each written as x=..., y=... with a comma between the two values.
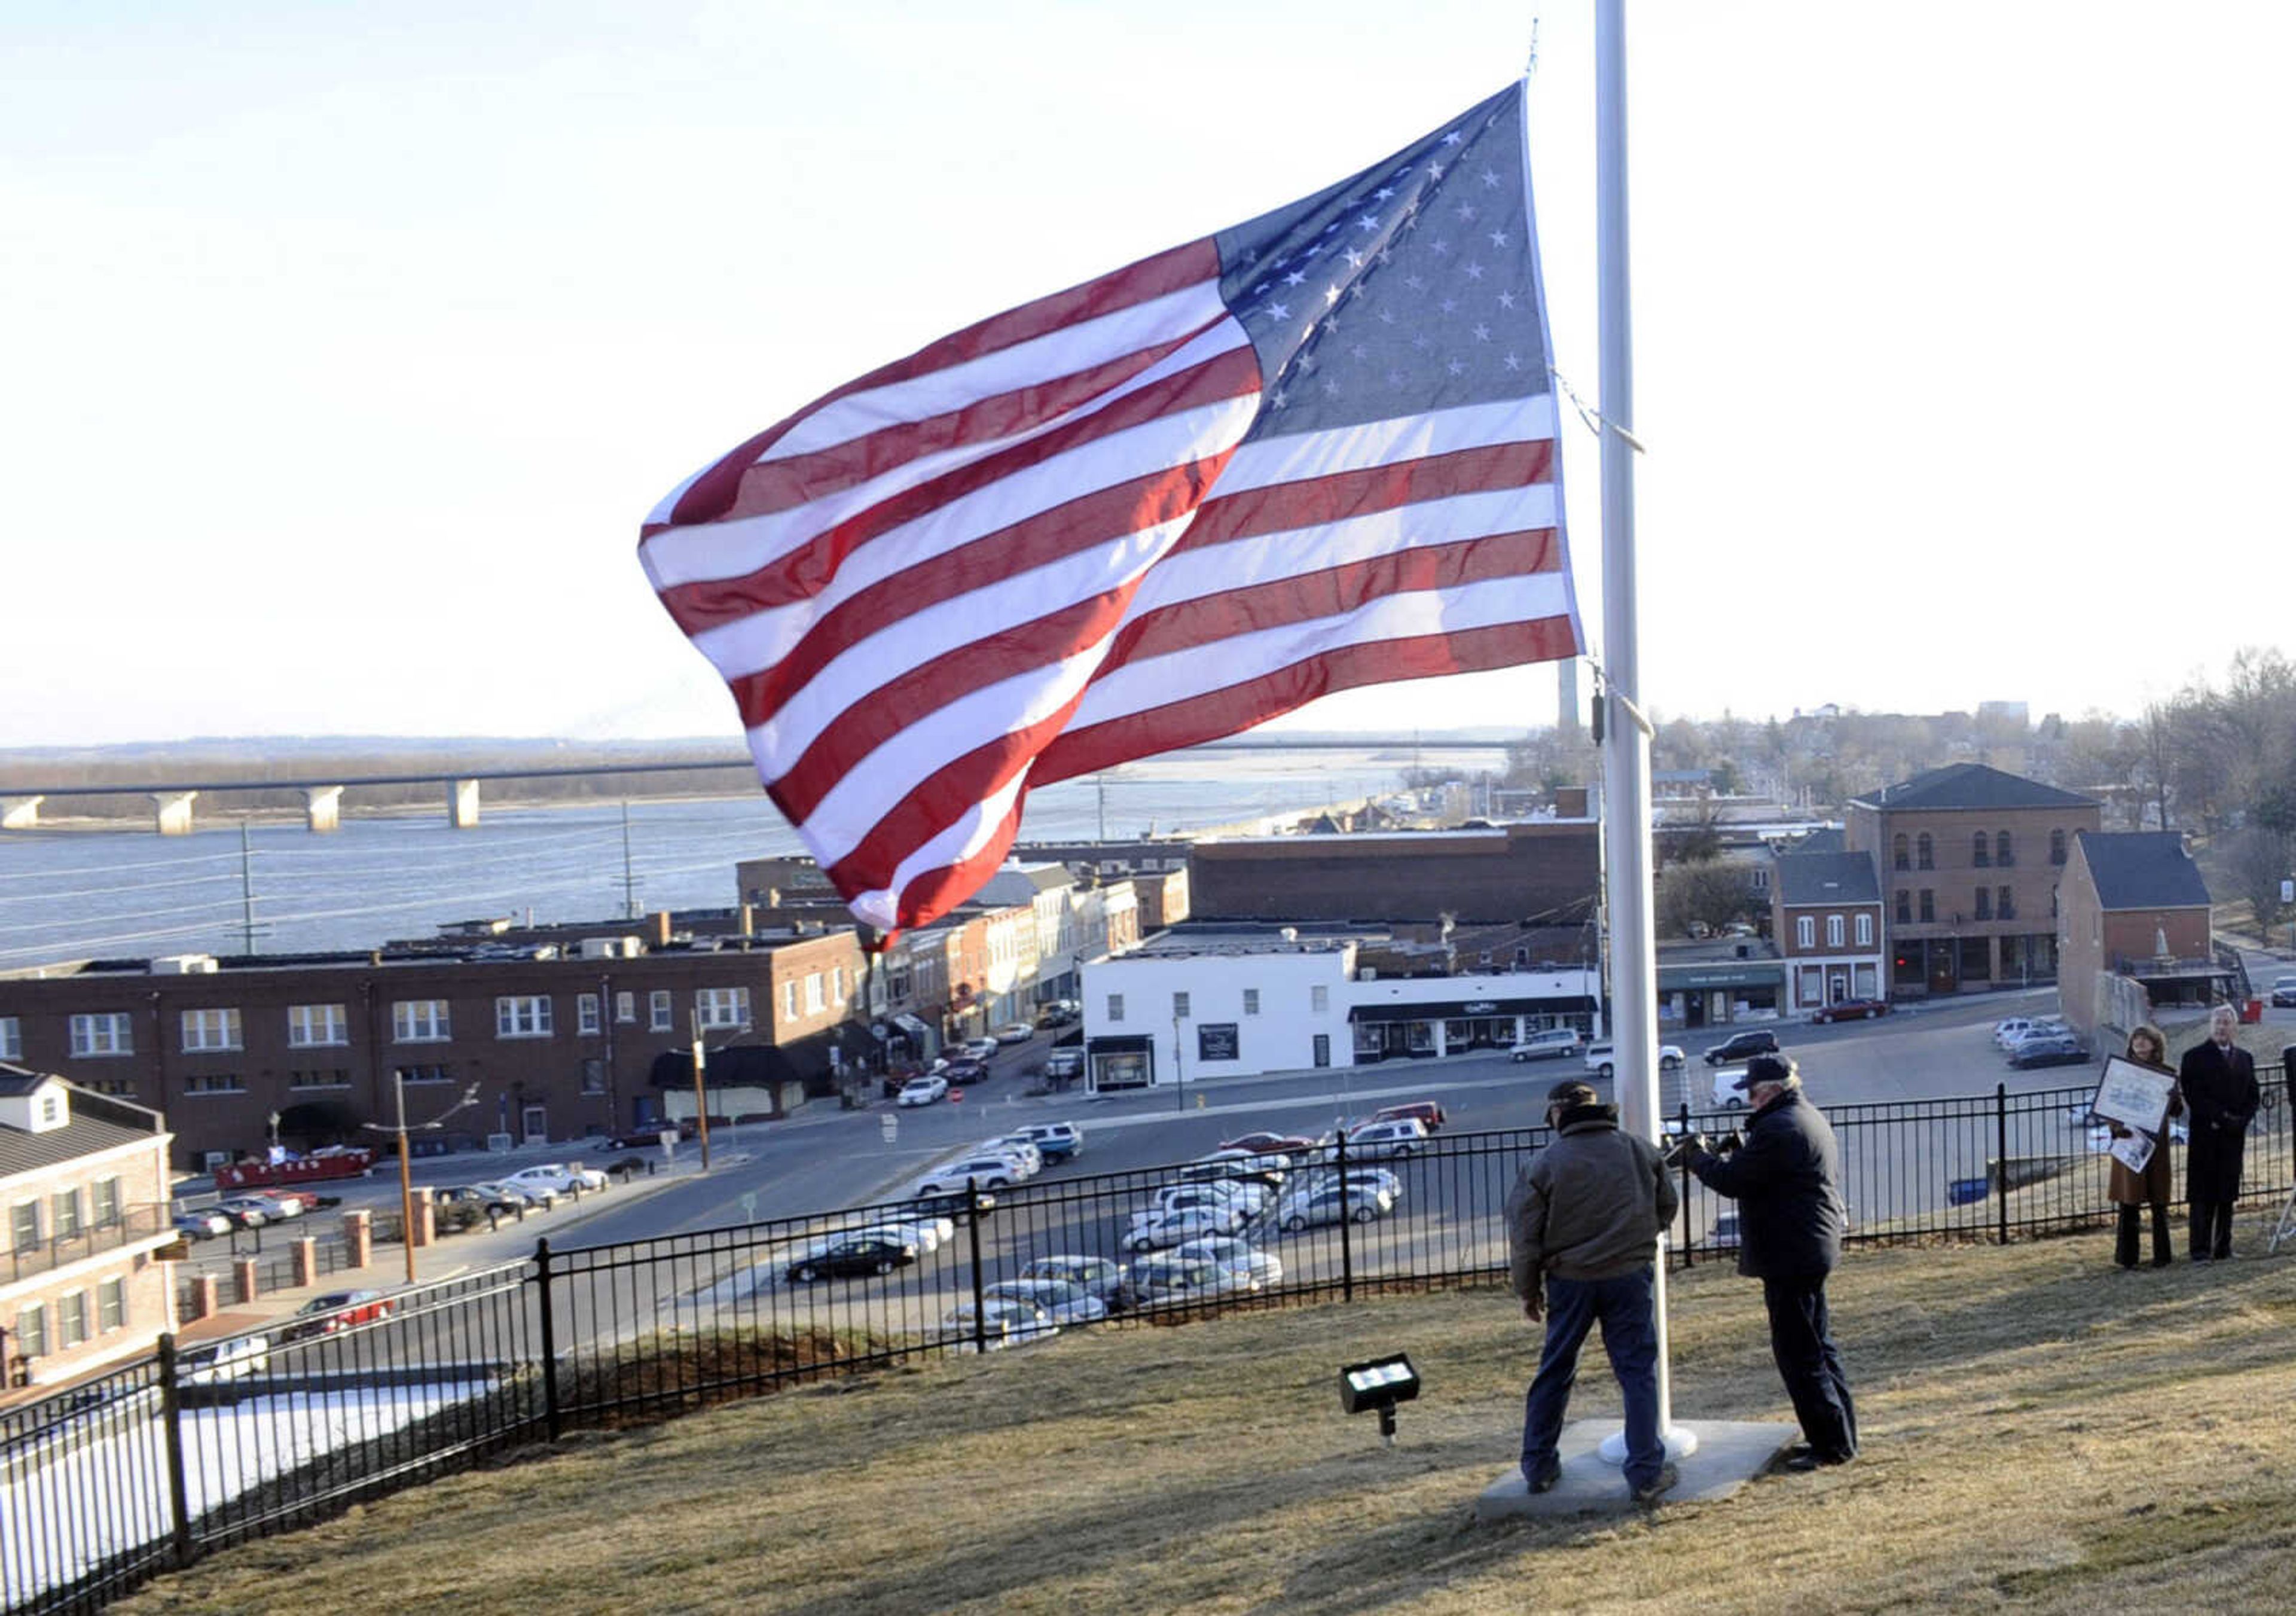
x=1405, y=288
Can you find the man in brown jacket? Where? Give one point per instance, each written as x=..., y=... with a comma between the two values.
x=1583, y=1223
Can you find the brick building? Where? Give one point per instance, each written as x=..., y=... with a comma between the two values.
x=1546, y=873
x=84, y=1188
x=1825, y=918
x=1969, y=858
x=2133, y=932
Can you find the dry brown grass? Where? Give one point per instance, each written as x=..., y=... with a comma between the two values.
x=2042, y=1431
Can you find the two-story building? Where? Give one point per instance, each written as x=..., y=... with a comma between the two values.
x=1825, y=919
x=84, y=1188
x=2134, y=933
x=1969, y=858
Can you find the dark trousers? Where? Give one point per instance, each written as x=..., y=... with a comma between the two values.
x=2211, y=1229
x=2211, y=1184
x=1624, y=1304
x=1801, y=1340
x=2125, y=1240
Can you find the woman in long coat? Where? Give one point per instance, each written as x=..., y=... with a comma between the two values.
x=2152, y=1187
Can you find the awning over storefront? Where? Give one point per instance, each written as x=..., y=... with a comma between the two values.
x=1471, y=1010
x=916, y=1029
x=1737, y=974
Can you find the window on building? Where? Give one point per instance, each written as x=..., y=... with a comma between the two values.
x=309, y=1026
x=12, y=1038
x=625, y=1009
x=522, y=1015
x=63, y=1215
x=320, y=1077
x=587, y=1015
x=2056, y=847
x=789, y=1000
x=216, y=1083
x=103, y=1201
x=2004, y=903
x=1806, y=932
x=1905, y=907
x=659, y=1008
x=112, y=1305
x=1251, y=1001
x=420, y=1022
x=206, y=1029
x=1319, y=998
x=814, y=1001
x=837, y=984
x=2002, y=855
x=32, y=1330
x=1865, y=930
x=721, y=1009
x=24, y=1226
x=413, y=1074
x=1928, y=905
x=108, y=1032
x=1985, y=903
x=1115, y=1006
x=1899, y=854
x=1180, y=1006
x=1980, y=850
x=593, y=1075
x=1925, y=852
x=1834, y=931
x=71, y=1319
x=52, y=1110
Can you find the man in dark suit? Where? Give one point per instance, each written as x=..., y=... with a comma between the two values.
x=2219, y=1080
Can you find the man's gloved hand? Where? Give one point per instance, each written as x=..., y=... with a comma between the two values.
x=1533, y=1307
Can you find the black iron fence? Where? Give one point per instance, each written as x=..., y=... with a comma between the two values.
x=147, y=1466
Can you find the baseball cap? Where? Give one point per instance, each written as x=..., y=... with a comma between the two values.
x=1763, y=1069
x=1572, y=1093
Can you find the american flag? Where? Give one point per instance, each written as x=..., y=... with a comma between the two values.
x=1312, y=452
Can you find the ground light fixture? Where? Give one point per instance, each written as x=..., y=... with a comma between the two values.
x=1379, y=1383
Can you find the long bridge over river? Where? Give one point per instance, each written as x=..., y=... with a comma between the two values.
x=322, y=798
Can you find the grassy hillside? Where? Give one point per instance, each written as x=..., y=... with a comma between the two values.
x=2043, y=1432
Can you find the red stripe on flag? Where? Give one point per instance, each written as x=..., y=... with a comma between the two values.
x=783, y=485
x=933, y=893
x=939, y=800
x=712, y=493
x=1331, y=592
x=1064, y=530
x=806, y=570
x=1239, y=707
x=1313, y=500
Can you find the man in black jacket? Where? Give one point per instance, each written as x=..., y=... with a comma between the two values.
x=2217, y=1079
x=1786, y=1180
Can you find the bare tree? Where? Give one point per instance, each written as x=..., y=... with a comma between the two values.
x=1711, y=892
x=2257, y=860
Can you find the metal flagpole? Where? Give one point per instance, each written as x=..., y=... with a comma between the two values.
x=1626, y=756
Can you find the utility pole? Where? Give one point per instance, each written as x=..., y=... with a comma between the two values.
x=406, y=1167
x=1179, y=1069
x=629, y=877
x=700, y=1090
x=246, y=891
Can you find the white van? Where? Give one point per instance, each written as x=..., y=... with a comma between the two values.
x=1552, y=1041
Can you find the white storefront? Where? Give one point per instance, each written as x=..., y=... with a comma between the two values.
x=1178, y=1011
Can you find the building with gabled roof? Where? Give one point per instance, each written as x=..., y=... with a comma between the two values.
x=1826, y=914
x=2134, y=933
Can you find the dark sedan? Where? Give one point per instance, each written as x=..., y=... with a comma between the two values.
x=1268, y=1143
x=1850, y=1010
x=2049, y=1049
x=838, y=1259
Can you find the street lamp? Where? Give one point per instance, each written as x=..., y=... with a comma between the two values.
x=1179, y=1069
x=405, y=1168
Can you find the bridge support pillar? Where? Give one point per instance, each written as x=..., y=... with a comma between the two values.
x=174, y=812
x=20, y=813
x=463, y=804
x=323, y=807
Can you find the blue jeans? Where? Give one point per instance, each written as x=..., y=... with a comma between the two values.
x=1623, y=1307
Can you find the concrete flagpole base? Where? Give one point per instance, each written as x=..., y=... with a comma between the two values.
x=1681, y=1442
x=1724, y=1455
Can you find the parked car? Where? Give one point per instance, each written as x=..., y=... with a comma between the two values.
x=2008, y=1029
x=334, y=1312
x=964, y=1071
x=1302, y=1208
x=1056, y=1141
x=1018, y=1145
x=1364, y=1179
x=1850, y=1010
x=1005, y=1321
x=989, y=1172
x=1155, y=1230
x=1545, y=1044
x=1743, y=1046
x=1427, y=1114
x=253, y=1212
x=981, y=1049
x=1015, y=1032
x=1241, y=1199
x=1060, y=1012
x=1097, y=1276
x=560, y=1176
x=2048, y=1049
x=923, y=1091
x=1258, y=1269
x=1276, y=1143
x=1374, y=1139
x=484, y=1200
x=1166, y=1281
x=1258, y=1168
x=2283, y=991
x=848, y=1255
x=950, y=1206
x=1062, y=1300
x=534, y=1197
x=1064, y=1063
x=925, y=1234
x=204, y=1225
x=203, y=1362
x=647, y=1136
x=1601, y=1059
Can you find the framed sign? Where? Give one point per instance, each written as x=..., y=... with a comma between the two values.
x=2133, y=1096
x=1216, y=1041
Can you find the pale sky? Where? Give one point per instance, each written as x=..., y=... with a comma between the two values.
x=345, y=347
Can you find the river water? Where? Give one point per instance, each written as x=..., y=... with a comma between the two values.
x=74, y=894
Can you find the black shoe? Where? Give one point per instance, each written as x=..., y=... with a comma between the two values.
x=1658, y=1486
x=1809, y=1460
x=2162, y=1261
x=1544, y=1481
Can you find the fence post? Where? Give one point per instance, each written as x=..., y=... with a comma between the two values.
x=171, y=1423
x=1688, y=1244
x=2001, y=1162
x=1346, y=1221
x=550, y=1408
x=972, y=1240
